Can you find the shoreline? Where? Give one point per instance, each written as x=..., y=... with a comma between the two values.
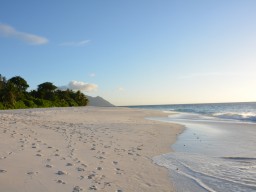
x=84, y=148
x=205, y=157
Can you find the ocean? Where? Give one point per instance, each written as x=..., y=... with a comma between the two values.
x=217, y=150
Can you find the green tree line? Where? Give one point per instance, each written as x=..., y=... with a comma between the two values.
x=14, y=95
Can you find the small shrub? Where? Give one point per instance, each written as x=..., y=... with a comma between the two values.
x=29, y=103
x=1, y=106
x=20, y=105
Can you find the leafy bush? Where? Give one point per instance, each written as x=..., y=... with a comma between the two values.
x=61, y=103
x=29, y=103
x=20, y=105
x=13, y=95
x=1, y=106
x=43, y=103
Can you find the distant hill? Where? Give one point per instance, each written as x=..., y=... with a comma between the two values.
x=98, y=101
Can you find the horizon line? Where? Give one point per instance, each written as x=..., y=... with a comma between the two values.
x=186, y=104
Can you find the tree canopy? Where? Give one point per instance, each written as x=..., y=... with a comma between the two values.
x=20, y=83
x=14, y=95
x=46, y=87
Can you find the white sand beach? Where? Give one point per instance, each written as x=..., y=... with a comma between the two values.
x=83, y=149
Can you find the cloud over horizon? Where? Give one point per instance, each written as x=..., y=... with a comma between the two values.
x=79, y=85
x=9, y=31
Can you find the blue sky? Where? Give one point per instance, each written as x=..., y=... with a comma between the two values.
x=134, y=52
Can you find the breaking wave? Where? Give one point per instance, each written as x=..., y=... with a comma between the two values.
x=237, y=116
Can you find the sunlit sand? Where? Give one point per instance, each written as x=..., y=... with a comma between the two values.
x=83, y=149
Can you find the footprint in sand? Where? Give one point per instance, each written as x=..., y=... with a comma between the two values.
x=93, y=187
x=77, y=189
x=48, y=166
x=2, y=171
x=108, y=184
x=100, y=157
x=119, y=171
x=99, y=168
x=80, y=169
x=32, y=173
x=61, y=173
x=115, y=162
x=61, y=182
x=91, y=176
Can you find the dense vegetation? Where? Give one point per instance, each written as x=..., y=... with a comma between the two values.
x=14, y=95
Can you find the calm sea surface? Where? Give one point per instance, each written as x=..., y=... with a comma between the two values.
x=217, y=150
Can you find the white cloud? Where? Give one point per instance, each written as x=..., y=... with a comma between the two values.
x=92, y=75
x=79, y=85
x=76, y=43
x=8, y=31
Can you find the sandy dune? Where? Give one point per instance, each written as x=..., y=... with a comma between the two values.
x=83, y=149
